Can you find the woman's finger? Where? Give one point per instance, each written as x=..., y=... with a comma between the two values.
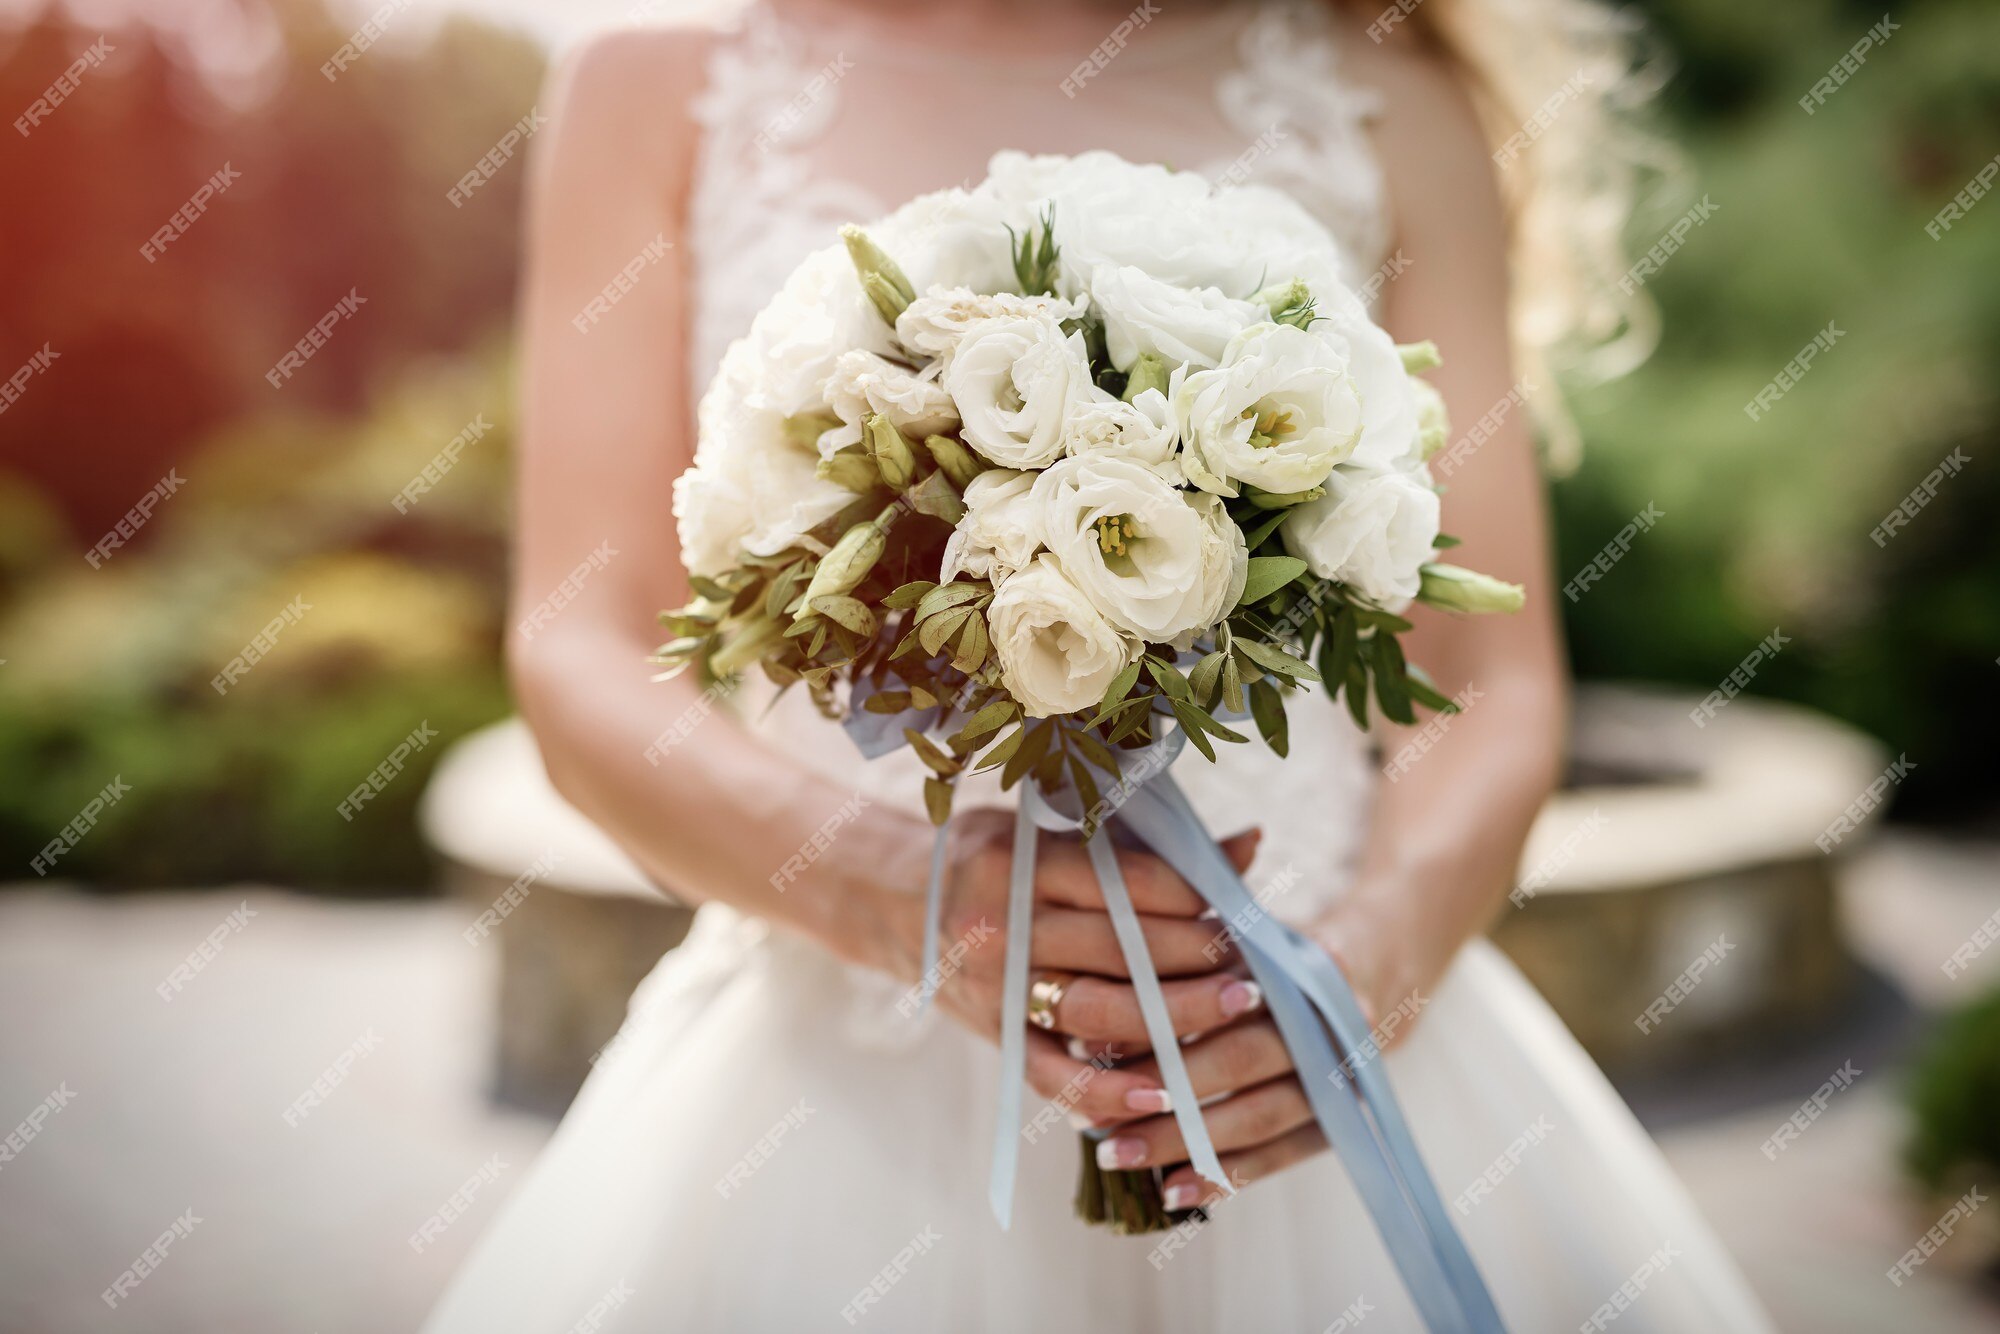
x=1100, y=1010
x=1248, y=1052
x=1184, y=1187
x=1094, y=1090
x=1082, y=941
x=1064, y=875
x=1242, y=1121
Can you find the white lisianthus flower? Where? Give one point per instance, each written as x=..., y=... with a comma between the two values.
x=1278, y=413
x=1110, y=211
x=1372, y=530
x=1057, y=652
x=1158, y=562
x=863, y=384
x=1142, y=430
x=1001, y=530
x=1017, y=382
x=1191, y=325
x=751, y=488
x=1390, y=431
x=817, y=316
x=939, y=318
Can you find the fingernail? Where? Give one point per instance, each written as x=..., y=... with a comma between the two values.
x=1148, y=1100
x=1124, y=1151
x=1241, y=998
x=1182, y=1197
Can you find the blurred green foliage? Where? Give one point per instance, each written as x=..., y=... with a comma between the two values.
x=288, y=494
x=1817, y=218
x=1953, y=1091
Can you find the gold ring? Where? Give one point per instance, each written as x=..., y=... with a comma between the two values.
x=1043, y=996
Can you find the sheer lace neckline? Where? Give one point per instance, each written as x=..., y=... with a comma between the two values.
x=1039, y=38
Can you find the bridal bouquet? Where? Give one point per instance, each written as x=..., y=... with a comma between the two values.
x=1058, y=473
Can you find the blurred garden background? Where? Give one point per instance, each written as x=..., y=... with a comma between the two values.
x=106, y=668
x=342, y=185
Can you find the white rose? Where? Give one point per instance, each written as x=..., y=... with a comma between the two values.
x=950, y=238
x=1158, y=562
x=1191, y=325
x=1110, y=211
x=1142, y=430
x=937, y=320
x=1016, y=383
x=1278, y=413
x=1001, y=530
x=751, y=488
x=816, y=317
x=1390, y=431
x=863, y=384
x=1373, y=531
x=1057, y=653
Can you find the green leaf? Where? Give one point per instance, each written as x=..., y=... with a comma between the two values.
x=1378, y=619
x=1426, y=694
x=1004, y=750
x=934, y=758
x=935, y=630
x=1267, y=575
x=1390, y=691
x=1188, y=714
x=972, y=644
x=1206, y=679
x=946, y=596
x=1443, y=542
x=1232, y=684
x=1272, y=658
x=908, y=595
x=850, y=613
x=1033, y=748
x=1096, y=751
x=937, y=800
x=994, y=715
x=1086, y=790
x=1267, y=706
x=1121, y=685
x=1168, y=676
x=888, y=701
x=1356, y=690
x=1256, y=536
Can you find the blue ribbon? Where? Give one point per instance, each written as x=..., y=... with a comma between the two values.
x=1305, y=993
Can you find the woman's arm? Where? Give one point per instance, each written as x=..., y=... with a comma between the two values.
x=1450, y=820
x=713, y=812
x=607, y=423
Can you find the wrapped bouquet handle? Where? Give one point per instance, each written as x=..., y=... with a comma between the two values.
x=1307, y=996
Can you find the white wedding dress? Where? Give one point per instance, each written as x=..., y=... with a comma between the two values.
x=768, y=1137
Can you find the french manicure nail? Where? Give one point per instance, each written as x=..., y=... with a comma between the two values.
x=1241, y=998
x=1124, y=1151
x=1148, y=1100
x=1182, y=1197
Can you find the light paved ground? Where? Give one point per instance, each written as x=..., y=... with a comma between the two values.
x=178, y=1107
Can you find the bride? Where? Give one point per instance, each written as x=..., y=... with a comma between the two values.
x=777, y=1140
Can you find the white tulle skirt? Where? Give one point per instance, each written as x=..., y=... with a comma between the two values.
x=744, y=1159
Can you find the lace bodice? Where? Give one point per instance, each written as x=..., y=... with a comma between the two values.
x=807, y=126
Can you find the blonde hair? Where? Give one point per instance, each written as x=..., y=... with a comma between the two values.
x=1559, y=85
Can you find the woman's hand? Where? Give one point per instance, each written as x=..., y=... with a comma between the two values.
x=1265, y=1123
x=1073, y=940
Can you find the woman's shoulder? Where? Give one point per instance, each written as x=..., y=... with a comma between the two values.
x=636, y=83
